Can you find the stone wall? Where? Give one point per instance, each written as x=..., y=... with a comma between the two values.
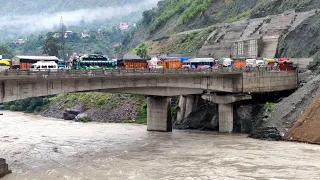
x=269, y=29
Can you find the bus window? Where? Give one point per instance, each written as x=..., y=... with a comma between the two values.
x=44, y=67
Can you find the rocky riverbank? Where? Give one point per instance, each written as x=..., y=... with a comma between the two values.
x=288, y=111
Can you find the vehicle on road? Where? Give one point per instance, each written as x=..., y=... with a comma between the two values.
x=47, y=65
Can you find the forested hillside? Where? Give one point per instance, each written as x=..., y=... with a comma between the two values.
x=174, y=16
x=19, y=19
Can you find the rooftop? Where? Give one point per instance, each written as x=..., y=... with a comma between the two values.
x=51, y=58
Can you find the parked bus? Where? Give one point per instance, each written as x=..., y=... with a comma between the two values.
x=202, y=63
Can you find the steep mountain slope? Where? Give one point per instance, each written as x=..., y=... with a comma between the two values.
x=174, y=16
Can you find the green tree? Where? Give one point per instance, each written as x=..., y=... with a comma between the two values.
x=142, y=51
x=6, y=52
x=51, y=46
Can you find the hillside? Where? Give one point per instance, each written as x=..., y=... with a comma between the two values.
x=171, y=18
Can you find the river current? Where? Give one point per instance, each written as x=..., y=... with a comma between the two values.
x=38, y=148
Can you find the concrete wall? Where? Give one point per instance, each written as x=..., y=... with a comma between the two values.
x=269, y=81
x=303, y=62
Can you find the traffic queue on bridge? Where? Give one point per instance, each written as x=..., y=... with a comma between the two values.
x=94, y=62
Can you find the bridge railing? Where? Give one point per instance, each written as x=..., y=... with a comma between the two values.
x=104, y=72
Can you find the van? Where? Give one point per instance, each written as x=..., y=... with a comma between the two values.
x=48, y=65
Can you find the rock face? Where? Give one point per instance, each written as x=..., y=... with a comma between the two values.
x=267, y=133
x=4, y=170
x=303, y=41
x=205, y=118
x=246, y=118
x=70, y=114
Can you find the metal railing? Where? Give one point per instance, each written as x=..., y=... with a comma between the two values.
x=141, y=71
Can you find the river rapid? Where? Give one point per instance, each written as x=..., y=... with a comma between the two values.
x=38, y=148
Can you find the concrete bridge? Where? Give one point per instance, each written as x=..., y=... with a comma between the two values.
x=159, y=85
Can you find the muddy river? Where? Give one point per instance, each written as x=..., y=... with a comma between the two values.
x=39, y=148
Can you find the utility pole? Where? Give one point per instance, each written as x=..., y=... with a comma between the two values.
x=62, y=40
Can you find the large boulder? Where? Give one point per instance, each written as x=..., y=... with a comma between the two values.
x=266, y=133
x=68, y=116
x=82, y=118
x=73, y=111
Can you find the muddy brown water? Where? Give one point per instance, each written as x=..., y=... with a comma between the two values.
x=39, y=148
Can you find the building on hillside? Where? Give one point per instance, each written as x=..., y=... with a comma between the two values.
x=124, y=25
x=85, y=35
x=116, y=44
x=20, y=41
x=249, y=48
x=25, y=62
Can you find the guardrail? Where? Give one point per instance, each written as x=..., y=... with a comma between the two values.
x=142, y=71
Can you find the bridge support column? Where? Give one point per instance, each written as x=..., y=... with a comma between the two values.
x=3, y=168
x=185, y=106
x=159, y=114
x=225, y=118
x=225, y=109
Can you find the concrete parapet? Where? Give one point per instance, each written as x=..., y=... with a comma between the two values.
x=4, y=170
x=159, y=114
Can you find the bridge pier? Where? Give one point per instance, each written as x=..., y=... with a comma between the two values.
x=3, y=168
x=159, y=114
x=225, y=104
x=185, y=106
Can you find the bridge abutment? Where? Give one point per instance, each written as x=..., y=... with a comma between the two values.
x=225, y=104
x=159, y=114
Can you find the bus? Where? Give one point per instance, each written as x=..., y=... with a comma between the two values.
x=202, y=63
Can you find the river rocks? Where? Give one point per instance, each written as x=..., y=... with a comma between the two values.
x=67, y=116
x=73, y=111
x=266, y=133
x=82, y=118
x=127, y=110
x=4, y=170
x=70, y=114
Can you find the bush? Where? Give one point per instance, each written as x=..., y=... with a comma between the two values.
x=269, y=106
